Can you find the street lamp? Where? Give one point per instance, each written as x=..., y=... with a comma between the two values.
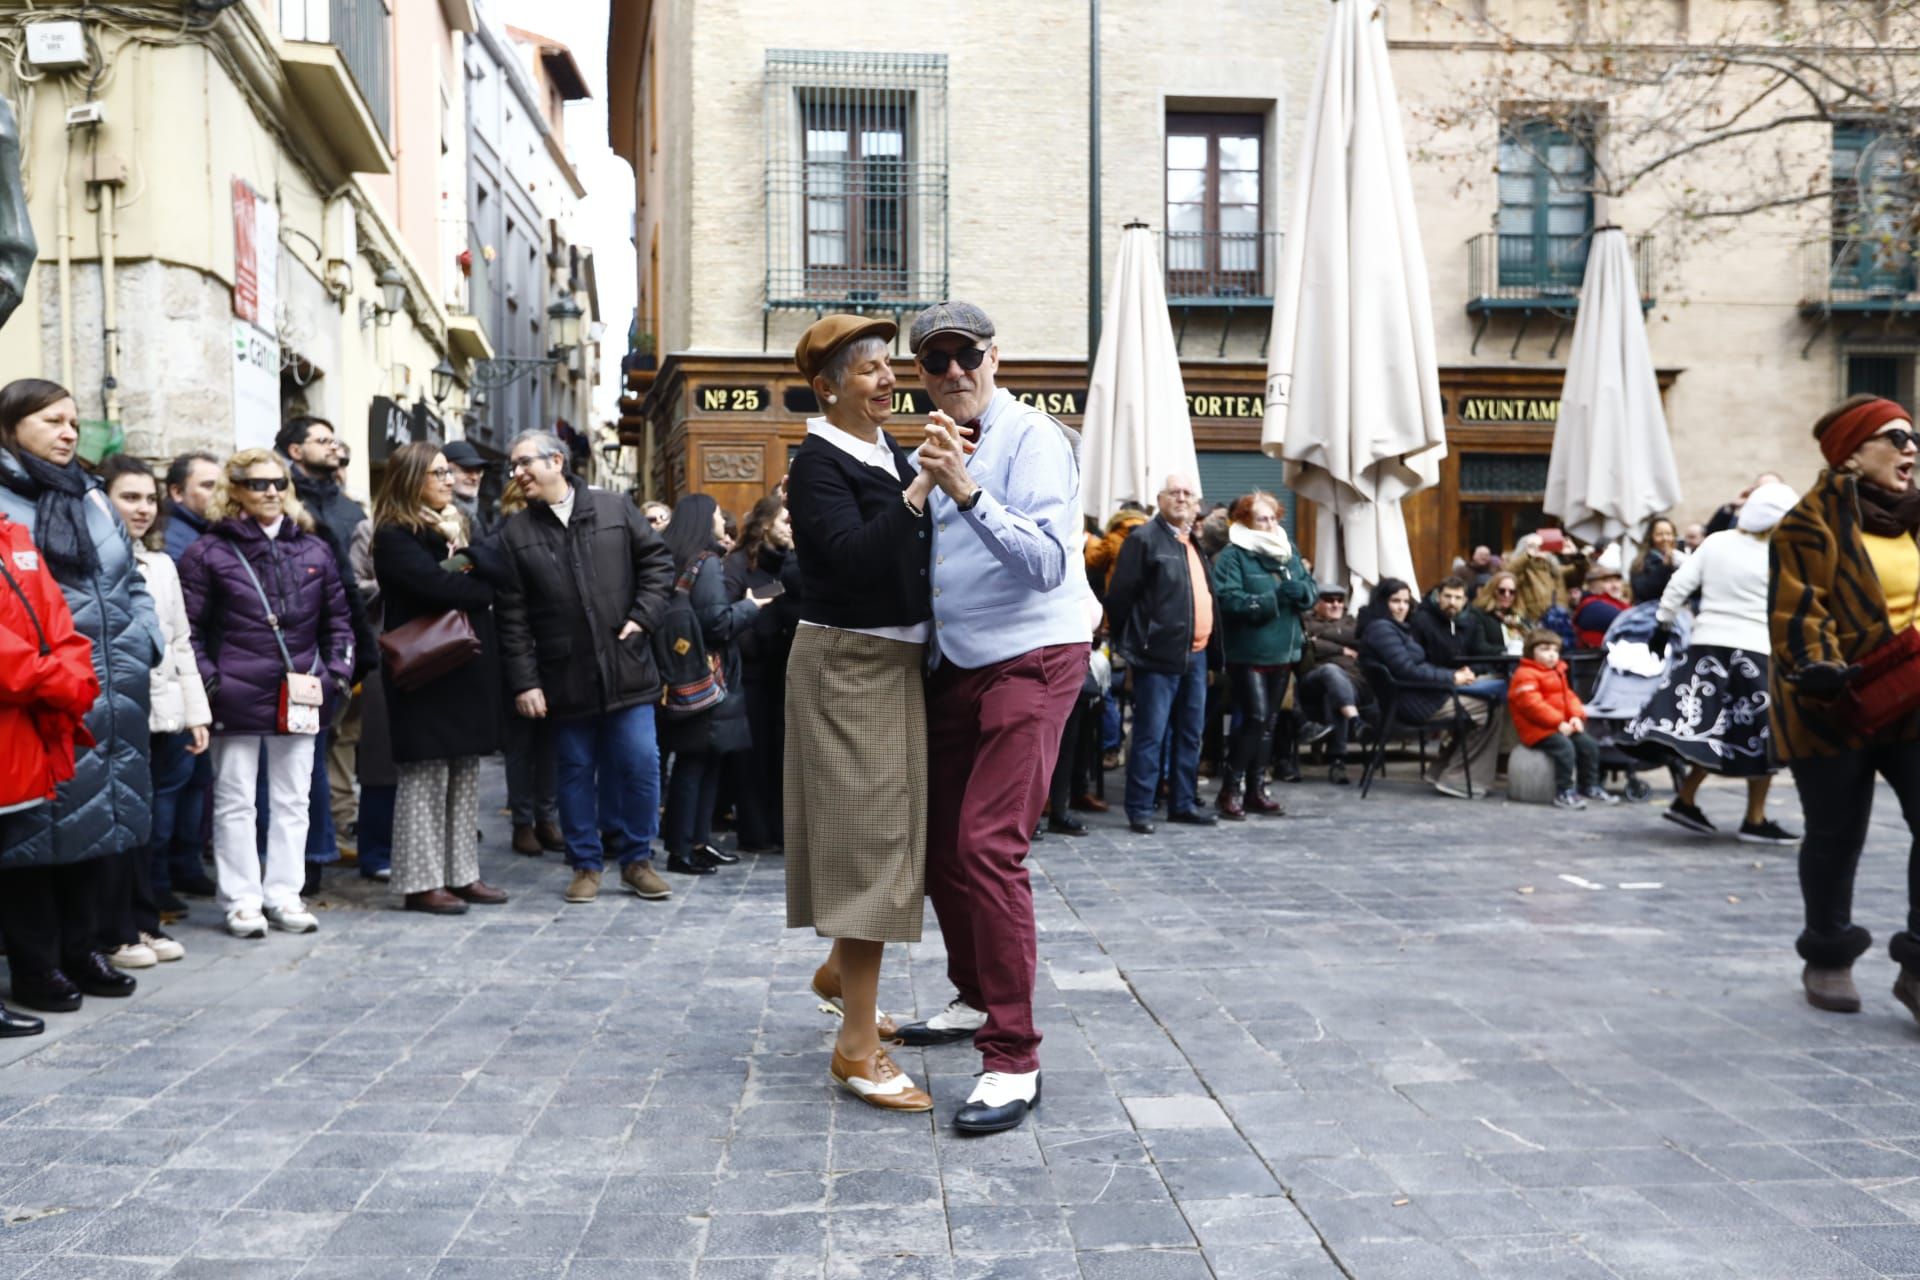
x=444, y=376
x=563, y=324
x=393, y=293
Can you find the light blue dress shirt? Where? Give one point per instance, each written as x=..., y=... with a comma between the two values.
x=1009, y=576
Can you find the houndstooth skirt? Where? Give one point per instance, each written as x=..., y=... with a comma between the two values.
x=856, y=785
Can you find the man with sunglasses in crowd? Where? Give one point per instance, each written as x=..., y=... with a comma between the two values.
x=1013, y=619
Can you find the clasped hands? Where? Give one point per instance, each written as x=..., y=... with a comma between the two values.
x=943, y=457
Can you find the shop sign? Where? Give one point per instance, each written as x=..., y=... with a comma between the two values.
x=802, y=400
x=1208, y=404
x=256, y=256
x=256, y=387
x=715, y=399
x=1485, y=409
x=391, y=425
x=1054, y=402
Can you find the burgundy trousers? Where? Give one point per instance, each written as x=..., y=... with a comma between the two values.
x=992, y=736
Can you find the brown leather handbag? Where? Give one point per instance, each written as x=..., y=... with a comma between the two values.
x=427, y=648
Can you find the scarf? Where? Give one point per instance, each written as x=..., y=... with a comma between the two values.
x=1260, y=542
x=60, y=517
x=447, y=523
x=1886, y=514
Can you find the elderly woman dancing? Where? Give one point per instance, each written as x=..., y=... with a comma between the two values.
x=856, y=751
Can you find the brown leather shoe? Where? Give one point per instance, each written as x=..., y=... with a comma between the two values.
x=480, y=893
x=1833, y=989
x=436, y=902
x=525, y=843
x=548, y=834
x=1906, y=989
x=1088, y=804
x=878, y=1083
x=1258, y=801
x=585, y=887
x=643, y=881
x=1229, y=803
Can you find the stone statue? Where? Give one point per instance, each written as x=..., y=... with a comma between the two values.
x=17, y=246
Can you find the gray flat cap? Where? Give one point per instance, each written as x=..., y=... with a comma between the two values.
x=950, y=317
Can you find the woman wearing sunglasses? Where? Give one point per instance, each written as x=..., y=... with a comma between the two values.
x=265, y=600
x=1503, y=626
x=1845, y=584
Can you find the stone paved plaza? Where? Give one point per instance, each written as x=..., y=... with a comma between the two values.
x=1404, y=1037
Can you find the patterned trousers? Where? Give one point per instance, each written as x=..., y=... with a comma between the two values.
x=435, y=812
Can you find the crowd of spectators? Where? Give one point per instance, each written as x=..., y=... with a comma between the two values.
x=285, y=679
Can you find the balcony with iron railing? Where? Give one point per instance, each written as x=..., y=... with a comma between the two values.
x=1220, y=268
x=1843, y=275
x=1540, y=272
x=339, y=61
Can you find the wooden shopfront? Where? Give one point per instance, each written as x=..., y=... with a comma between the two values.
x=725, y=425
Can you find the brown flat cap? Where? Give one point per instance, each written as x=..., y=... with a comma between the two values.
x=830, y=333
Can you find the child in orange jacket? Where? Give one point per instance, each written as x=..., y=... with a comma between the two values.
x=1549, y=717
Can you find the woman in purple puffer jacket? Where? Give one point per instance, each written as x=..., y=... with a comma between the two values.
x=259, y=564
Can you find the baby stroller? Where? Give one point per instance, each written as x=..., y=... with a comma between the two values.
x=1629, y=675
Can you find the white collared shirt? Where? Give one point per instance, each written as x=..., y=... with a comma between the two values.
x=878, y=454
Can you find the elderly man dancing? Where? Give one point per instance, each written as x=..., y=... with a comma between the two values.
x=1011, y=634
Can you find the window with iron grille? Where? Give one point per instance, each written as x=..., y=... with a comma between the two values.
x=1216, y=246
x=856, y=179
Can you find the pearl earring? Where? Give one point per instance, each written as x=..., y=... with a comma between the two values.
x=832, y=399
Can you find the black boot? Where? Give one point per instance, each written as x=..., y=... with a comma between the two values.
x=96, y=976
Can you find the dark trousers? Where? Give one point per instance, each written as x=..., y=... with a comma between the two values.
x=993, y=733
x=1576, y=760
x=691, y=790
x=123, y=905
x=1836, y=801
x=374, y=828
x=173, y=774
x=1257, y=695
x=46, y=914
x=531, y=792
x=1325, y=690
x=1069, y=763
x=757, y=772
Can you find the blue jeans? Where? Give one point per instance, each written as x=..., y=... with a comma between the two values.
x=186, y=856
x=374, y=828
x=1493, y=689
x=172, y=774
x=1164, y=702
x=607, y=776
x=1110, y=732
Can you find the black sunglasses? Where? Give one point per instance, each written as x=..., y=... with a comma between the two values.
x=1899, y=437
x=260, y=484
x=938, y=362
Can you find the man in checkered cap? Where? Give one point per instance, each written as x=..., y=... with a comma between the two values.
x=1013, y=619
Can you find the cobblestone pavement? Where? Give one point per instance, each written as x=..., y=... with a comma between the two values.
x=1400, y=1037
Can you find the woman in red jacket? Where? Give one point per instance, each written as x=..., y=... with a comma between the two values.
x=47, y=685
x=1549, y=717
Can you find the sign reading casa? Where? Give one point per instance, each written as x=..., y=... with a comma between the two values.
x=1508, y=409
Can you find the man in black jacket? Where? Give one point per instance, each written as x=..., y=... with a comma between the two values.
x=583, y=584
x=1160, y=608
x=1445, y=629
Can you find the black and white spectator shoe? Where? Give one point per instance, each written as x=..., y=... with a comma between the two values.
x=1000, y=1101
x=958, y=1021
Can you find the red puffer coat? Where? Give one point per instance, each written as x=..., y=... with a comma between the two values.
x=47, y=682
x=1541, y=699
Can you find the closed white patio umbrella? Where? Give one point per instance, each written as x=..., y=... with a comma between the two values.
x=1612, y=463
x=1136, y=430
x=1353, y=388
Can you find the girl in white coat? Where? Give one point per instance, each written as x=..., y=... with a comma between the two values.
x=130, y=915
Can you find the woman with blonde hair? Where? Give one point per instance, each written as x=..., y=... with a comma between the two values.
x=269, y=616
x=439, y=728
x=1496, y=610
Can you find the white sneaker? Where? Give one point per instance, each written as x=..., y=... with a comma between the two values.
x=246, y=922
x=293, y=919
x=134, y=955
x=163, y=947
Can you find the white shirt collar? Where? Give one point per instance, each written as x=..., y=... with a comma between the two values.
x=877, y=454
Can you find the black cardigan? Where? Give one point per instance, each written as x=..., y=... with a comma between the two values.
x=462, y=712
x=863, y=555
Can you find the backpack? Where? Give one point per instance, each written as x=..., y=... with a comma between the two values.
x=691, y=677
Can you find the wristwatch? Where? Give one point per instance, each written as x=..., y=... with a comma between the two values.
x=971, y=501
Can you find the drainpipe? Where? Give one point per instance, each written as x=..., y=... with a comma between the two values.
x=109, y=196
x=1093, y=184
x=63, y=236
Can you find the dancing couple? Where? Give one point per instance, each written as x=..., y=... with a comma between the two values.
x=944, y=636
